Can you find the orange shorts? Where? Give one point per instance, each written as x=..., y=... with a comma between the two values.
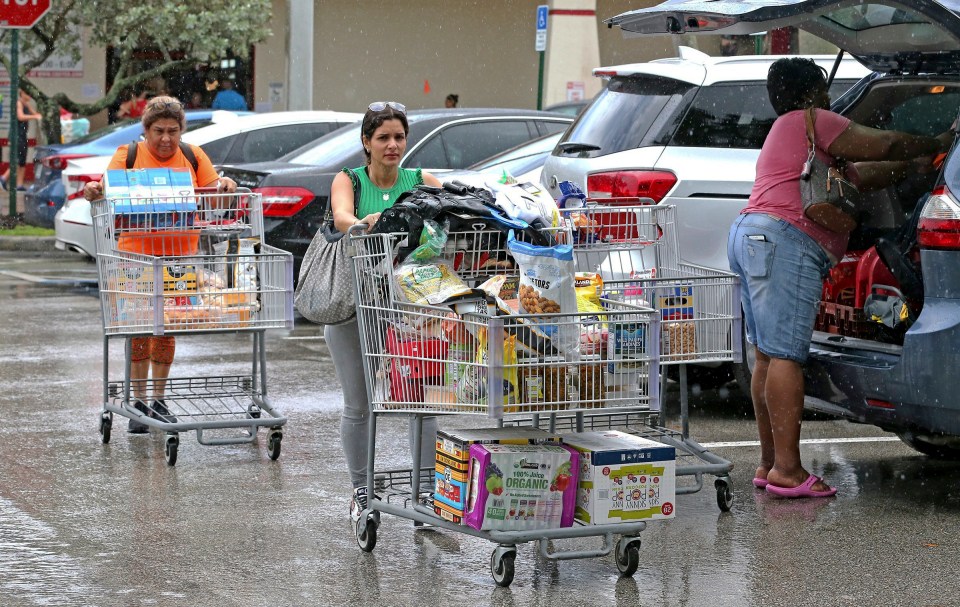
x=159, y=349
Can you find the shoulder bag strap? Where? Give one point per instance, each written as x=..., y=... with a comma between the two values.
x=809, y=119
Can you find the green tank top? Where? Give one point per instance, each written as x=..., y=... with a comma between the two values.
x=376, y=200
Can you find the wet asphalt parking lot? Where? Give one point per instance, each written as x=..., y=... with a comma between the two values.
x=88, y=524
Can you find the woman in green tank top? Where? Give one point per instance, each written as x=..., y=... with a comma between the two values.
x=384, y=137
x=383, y=134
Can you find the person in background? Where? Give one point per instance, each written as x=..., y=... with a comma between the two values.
x=196, y=101
x=228, y=99
x=383, y=134
x=451, y=100
x=133, y=104
x=782, y=257
x=25, y=113
x=163, y=122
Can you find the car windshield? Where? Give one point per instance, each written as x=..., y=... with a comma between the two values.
x=642, y=104
x=327, y=150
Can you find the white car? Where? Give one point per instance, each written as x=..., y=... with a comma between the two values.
x=683, y=131
x=254, y=138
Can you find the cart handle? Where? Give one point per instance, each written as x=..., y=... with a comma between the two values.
x=357, y=229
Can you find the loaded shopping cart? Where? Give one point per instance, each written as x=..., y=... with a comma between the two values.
x=475, y=358
x=191, y=265
x=636, y=250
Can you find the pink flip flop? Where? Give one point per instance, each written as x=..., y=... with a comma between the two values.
x=760, y=483
x=804, y=490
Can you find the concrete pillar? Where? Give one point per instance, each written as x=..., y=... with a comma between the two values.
x=300, y=56
x=573, y=50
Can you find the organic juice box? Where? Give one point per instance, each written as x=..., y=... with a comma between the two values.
x=521, y=487
x=623, y=477
x=453, y=462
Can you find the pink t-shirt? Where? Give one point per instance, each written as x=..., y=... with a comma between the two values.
x=776, y=190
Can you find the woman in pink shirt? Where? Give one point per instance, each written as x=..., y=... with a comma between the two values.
x=782, y=257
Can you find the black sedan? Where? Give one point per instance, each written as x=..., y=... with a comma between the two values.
x=296, y=188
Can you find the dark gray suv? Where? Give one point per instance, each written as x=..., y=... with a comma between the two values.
x=906, y=252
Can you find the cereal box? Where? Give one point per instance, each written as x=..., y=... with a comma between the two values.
x=623, y=477
x=521, y=487
x=453, y=462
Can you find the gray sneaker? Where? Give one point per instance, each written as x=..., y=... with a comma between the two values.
x=359, y=503
x=135, y=427
x=160, y=411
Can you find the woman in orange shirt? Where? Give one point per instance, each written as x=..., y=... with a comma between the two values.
x=164, y=121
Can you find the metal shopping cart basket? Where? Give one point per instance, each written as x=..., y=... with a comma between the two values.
x=497, y=358
x=191, y=265
x=635, y=249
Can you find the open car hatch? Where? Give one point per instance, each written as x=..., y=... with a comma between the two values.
x=906, y=36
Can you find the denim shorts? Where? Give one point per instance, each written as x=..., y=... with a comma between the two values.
x=781, y=271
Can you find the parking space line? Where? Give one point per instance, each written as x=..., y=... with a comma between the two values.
x=49, y=281
x=807, y=441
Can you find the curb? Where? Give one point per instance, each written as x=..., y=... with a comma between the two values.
x=33, y=244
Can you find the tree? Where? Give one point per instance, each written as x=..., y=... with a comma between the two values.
x=183, y=35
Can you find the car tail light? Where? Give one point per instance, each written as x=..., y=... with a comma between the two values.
x=75, y=184
x=58, y=162
x=624, y=188
x=939, y=226
x=284, y=201
x=630, y=187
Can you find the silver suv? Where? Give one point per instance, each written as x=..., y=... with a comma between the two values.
x=684, y=131
x=897, y=373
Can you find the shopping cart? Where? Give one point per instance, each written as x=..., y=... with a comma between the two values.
x=191, y=266
x=502, y=361
x=635, y=249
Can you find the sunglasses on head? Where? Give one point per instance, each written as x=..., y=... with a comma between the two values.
x=379, y=106
x=165, y=105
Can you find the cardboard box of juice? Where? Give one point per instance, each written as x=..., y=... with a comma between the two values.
x=453, y=462
x=623, y=478
x=521, y=487
x=166, y=191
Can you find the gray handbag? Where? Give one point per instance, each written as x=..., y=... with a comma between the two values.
x=829, y=199
x=325, y=291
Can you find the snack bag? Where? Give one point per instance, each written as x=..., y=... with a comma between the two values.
x=430, y=283
x=546, y=287
x=472, y=384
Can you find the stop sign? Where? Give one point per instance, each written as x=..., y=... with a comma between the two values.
x=22, y=13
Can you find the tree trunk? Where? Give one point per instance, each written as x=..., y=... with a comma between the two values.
x=51, y=120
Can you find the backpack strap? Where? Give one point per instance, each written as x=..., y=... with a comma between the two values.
x=191, y=157
x=131, y=154
x=185, y=148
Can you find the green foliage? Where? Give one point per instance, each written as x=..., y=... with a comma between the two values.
x=26, y=230
x=183, y=33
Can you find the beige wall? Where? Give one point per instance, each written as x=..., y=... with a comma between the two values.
x=482, y=50
x=615, y=49
x=368, y=50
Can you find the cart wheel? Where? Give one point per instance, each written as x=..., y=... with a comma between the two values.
x=367, y=533
x=502, y=566
x=173, y=442
x=253, y=412
x=273, y=444
x=724, y=494
x=106, y=423
x=628, y=556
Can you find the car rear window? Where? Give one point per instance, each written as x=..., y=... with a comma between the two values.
x=733, y=115
x=627, y=114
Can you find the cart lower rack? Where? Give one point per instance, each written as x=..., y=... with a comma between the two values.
x=190, y=266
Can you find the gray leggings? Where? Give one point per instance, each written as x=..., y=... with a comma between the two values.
x=344, y=344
